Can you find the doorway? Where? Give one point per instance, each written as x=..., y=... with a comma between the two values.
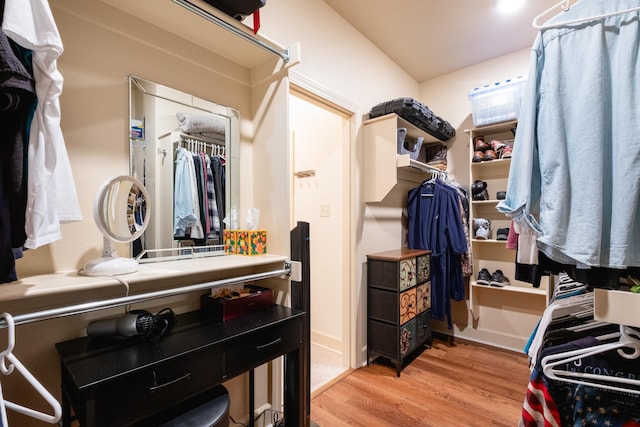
x=321, y=195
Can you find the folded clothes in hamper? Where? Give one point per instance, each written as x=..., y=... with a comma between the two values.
x=417, y=114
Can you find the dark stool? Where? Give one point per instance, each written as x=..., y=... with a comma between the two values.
x=207, y=409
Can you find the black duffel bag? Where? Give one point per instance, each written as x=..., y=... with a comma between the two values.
x=239, y=9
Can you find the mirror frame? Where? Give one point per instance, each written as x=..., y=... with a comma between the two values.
x=115, y=202
x=148, y=144
x=105, y=203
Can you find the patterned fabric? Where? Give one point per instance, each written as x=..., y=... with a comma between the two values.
x=423, y=268
x=467, y=257
x=539, y=409
x=407, y=273
x=214, y=221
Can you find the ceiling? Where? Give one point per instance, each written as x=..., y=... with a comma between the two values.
x=429, y=38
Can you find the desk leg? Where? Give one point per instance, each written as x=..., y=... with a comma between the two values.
x=66, y=411
x=252, y=402
x=295, y=410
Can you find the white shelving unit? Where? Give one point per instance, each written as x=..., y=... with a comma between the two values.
x=492, y=254
x=383, y=166
x=620, y=307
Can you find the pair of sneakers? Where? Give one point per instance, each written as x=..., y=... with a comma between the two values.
x=502, y=150
x=482, y=151
x=497, y=278
x=482, y=228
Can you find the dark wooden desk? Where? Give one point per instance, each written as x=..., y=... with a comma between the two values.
x=118, y=382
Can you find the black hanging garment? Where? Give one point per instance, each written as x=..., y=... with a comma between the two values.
x=17, y=105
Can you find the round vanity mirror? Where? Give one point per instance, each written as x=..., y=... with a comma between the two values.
x=121, y=212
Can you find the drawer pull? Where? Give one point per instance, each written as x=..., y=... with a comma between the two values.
x=269, y=344
x=155, y=388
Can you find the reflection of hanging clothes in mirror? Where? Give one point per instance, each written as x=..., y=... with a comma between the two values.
x=199, y=190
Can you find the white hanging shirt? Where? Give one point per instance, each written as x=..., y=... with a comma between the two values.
x=52, y=196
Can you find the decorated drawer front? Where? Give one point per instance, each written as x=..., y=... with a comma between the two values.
x=423, y=327
x=408, y=305
x=423, y=297
x=407, y=273
x=423, y=268
x=408, y=339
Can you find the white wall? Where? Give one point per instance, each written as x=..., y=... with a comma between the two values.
x=447, y=96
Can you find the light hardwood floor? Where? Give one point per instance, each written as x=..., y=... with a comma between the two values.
x=460, y=384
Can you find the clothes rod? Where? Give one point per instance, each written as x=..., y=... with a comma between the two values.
x=118, y=302
x=425, y=168
x=284, y=54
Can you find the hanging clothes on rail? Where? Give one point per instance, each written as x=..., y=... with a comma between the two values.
x=574, y=179
x=186, y=199
x=52, y=196
x=578, y=378
x=17, y=103
x=198, y=192
x=434, y=222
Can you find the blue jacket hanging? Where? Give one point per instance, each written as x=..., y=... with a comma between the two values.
x=434, y=223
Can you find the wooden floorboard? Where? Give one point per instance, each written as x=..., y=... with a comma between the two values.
x=461, y=384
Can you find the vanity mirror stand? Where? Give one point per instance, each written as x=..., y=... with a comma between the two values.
x=121, y=213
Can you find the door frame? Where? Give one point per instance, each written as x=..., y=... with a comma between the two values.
x=307, y=87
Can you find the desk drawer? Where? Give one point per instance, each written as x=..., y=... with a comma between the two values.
x=127, y=399
x=261, y=346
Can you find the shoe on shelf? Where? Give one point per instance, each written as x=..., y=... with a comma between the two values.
x=501, y=195
x=502, y=234
x=438, y=159
x=479, y=144
x=506, y=152
x=482, y=228
x=497, y=146
x=490, y=155
x=484, y=277
x=484, y=195
x=478, y=187
x=498, y=279
x=478, y=156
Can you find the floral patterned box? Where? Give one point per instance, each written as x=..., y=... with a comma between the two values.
x=251, y=242
x=230, y=241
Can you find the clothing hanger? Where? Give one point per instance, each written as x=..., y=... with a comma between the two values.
x=16, y=365
x=565, y=6
x=629, y=340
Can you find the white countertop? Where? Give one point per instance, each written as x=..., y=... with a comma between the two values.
x=178, y=273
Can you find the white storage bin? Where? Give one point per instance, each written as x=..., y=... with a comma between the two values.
x=497, y=102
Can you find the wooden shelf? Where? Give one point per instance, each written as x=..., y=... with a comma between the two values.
x=491, y=253
x=383, y=166
x=492, y=167
x=489, y=241
x=513, y=288
x=196, y=26
x=485, y=202
x=620, y=307
x=493, y=129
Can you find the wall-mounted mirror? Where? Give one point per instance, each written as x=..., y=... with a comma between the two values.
x=185, y=150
